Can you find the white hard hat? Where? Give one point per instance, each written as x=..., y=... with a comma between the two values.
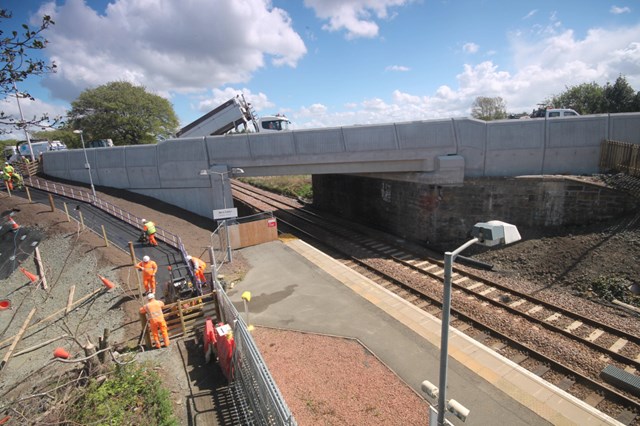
x=144, y=220
x=151, y=296
x=189, y=257
x=146, y=259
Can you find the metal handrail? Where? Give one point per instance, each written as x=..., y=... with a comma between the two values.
x=87, y=197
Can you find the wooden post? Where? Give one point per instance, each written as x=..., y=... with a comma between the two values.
x=81, y=218
x=43, y=277
x=103, y=343
x=26, y=188
x=104, y=234
x=66, y=210
x=51, y=203
x=146, y=330
x=72, y=290
x=184, y=329
x=17, y=339
x=133, y=262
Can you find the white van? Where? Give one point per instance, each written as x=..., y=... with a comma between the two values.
x=554, y=113
x=38, y=148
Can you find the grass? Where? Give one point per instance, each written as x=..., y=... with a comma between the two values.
x=292, y=186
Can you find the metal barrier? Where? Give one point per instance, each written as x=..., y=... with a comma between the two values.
x=221, y=243
x=256, y=392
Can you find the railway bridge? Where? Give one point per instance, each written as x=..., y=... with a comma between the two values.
x=425, y=180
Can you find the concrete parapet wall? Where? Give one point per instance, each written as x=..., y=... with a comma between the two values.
x=442, y=216
x=442, y=152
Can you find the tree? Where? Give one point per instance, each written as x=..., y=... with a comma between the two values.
x=589, y=98
x=586, y=98
x=125, y=113
x=16, y=65
x=619, y=97
x=488, y=109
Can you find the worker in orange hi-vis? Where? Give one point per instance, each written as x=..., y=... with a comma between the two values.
x=198, y=266
x=7, y=175
x=149, y=269
x=150, y=229
x=155, y=317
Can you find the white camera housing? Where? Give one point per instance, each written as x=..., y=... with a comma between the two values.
x=459, y=410
x=430, y=389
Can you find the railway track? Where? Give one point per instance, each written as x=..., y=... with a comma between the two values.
x=564, y=347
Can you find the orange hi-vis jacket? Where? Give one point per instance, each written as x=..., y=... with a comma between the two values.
x=153, y=310
x=199, y=264
x=149, y=268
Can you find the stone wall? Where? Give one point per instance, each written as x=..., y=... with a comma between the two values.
x=442, y=216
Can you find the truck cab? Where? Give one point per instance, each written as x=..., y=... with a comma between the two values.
x=273, y=123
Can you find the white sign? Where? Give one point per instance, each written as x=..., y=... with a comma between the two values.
x=225, y=213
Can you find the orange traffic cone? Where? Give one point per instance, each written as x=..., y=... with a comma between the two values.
x=61, y=353
x=13, y=224
x=107, y=283
x=5, y=304
x=29, y=275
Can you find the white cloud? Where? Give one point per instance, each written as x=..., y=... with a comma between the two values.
x=168, y=47
x=542, y=67
x=397, y=68
x=356, y=17
x=619, y=10
x=470, y=48
x=530, y=14
x=31, y=110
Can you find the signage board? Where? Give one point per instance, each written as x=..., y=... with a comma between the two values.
x=225, y=213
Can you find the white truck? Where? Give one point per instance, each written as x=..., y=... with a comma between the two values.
x=233, y=116
x=553, y=113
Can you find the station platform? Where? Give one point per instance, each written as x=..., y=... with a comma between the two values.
x=296, y=287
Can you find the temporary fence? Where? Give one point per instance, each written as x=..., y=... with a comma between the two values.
x=232, y=234
x=251, y=382
x=254, y=391
x=621, y=157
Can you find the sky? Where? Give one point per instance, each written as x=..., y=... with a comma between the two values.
x=327, y=63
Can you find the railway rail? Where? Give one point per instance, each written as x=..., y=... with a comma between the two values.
x=564, y=347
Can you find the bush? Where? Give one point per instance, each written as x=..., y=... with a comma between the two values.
x=292, y=186
x=132, y=395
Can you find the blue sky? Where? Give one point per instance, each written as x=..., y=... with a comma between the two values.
x=332, y=62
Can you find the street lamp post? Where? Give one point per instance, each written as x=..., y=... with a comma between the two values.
x=86, y=164
x=488, y=234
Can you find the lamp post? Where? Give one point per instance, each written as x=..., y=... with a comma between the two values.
x=231, y=172
x=488, y=234
x=86, y=164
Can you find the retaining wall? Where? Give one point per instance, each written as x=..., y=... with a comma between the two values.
x=442, y=216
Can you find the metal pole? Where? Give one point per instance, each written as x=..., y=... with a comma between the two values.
x=224, y=196
x=88, y=166
x=449, y=258
x=33, y=158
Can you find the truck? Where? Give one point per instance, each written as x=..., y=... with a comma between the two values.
x=38, y=147
x=100, y=143
x=550, y=112
x=9, y=151
x=234, y=116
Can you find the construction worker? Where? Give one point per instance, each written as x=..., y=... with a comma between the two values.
x=155, y=318
x=7, y=175
x=149, y=269
x=150, y=229
x=198, y=266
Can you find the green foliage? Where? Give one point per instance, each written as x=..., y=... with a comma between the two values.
x=125, y=113
x=132, y=395
x=609, y=288
x=586, y=98
x=488, y=109
x=292, y=186
x=589, y=98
